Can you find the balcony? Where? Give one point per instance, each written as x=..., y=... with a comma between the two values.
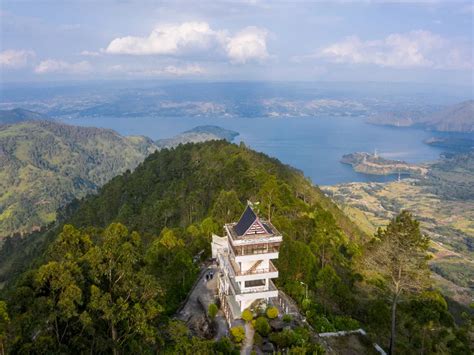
x=255, y=249
x=252, y=274
x=258, y=289
x=256, y=271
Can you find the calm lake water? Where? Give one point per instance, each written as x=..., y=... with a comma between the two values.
x=313, y=145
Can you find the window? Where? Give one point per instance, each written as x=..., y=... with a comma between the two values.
x=255, y=283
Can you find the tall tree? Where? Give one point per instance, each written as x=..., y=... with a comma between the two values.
x=227, y=207
x=4, y=320
x=122, y=294
x=269, y=195
x=399, y=254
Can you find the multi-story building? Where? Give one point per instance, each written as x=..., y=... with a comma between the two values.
x=246, y=269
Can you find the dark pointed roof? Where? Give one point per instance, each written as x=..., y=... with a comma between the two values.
x=246, y=220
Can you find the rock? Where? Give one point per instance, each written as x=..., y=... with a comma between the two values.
x=268, y=347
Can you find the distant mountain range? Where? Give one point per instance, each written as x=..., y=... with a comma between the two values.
x=44, y=165
x=19, y=115
x=455, y=118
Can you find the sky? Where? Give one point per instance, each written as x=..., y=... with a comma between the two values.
x=341, y=40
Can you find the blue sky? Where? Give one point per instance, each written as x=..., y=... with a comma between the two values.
x=424, y=41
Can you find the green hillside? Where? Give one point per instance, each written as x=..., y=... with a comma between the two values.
x=19, y=115
x=93, y=285
x=44, y=165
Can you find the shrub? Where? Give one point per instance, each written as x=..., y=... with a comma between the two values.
x=322, y=325
x=272, y=312
x=306, y=303
x=262, y=326
x=257, y=339
x=285, y=339
x=345, y=323
x=238, y=334
x=247, y=315
x=212, y=310
x=287, y=318
x=224, y=346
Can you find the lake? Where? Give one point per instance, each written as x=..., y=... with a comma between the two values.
x=313, y=145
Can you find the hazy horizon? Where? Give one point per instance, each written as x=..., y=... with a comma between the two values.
x=428, y=42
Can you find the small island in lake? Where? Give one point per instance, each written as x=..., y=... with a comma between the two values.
x=373, y=164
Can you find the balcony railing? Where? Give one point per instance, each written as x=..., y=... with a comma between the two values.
x=238, y=291
x=271, y=268
x=255, y=249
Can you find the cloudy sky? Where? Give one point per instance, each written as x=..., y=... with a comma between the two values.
x=423, y=41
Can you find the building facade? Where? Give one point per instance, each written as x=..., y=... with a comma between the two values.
x=246, y=269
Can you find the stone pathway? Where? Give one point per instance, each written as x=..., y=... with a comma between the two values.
x=205, y=290
x=248, y=342
x=203, y=294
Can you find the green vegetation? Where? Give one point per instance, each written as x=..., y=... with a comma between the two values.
x=297, y=341
x=452, y=178
x=4, y=320
x=272, y=312
x=45, y=165
x=247, y=315
x=84, y=280
x=442, y=201
x=238, y=334
x=262, y=327
x=373, y=164
x=180, y=341
x=18, y=115
x=96, y=292
x=212, y=310
x=399, y=254
x=196, y=135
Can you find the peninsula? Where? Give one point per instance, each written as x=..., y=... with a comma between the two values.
x=373, y=164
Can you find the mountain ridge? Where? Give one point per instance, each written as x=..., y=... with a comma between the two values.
x=17, y=115
x=454, y=118
x=46, y=164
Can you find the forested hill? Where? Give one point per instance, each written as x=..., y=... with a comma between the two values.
x=18, y=115
x=198, y=134
x=44, y=165
x=178, y=187
x=93, y=285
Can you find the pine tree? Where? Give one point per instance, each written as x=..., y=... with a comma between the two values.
x=399, y=254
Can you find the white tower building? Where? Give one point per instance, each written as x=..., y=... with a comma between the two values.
x=246, y=268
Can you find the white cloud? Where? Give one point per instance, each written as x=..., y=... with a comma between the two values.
x=248, y=44
x=169, y=39
x=192, y=69
x=195, y=38
x=14, y=59
x=90, y=54
x=413, y=49
x=59, y=66
x=169, y=70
